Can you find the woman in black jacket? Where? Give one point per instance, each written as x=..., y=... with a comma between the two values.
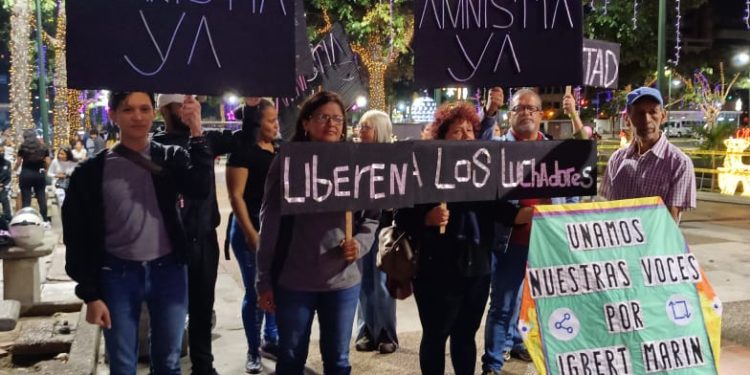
x=453, y=276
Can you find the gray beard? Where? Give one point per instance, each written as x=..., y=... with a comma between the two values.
x=527, y=127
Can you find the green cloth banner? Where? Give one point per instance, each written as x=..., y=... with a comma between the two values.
x=612, y=288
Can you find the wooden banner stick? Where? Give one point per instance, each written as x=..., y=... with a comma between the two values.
x=444, y=206
x=348, y=225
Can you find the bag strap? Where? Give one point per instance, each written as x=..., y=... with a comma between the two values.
x=138, y=159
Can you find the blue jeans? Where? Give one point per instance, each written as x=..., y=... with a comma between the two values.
x=295, y=311
x=252, y=316
x=377, y=309
x=162, y=284
x=501, y=329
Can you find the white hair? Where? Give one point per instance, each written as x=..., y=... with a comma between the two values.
x=381, y=123
x=523, y=92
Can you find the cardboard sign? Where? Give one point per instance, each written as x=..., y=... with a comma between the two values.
x=321, y=177
x=612, y=288
x=601, y=63
x=487, y=43
x=197, y=47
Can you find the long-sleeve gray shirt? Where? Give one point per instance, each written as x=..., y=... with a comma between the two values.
x=314, y=261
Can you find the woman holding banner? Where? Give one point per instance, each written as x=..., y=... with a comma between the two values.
x=246, y=175
x=376, y=318
x=305, y=263
x=453, y=276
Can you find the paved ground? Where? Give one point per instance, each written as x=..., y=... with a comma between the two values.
x=717, y=233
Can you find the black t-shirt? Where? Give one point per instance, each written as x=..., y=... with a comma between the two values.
x=33, y=157
x=257, y=161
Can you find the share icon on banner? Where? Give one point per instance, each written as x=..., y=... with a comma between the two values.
x=563, y=324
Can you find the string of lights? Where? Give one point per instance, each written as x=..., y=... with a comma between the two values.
x=61, y=125
x=678, y=34
x=21, y=71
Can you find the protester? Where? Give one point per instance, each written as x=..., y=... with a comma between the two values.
x=453, y=273
x=79, y=152
x=502, y=339
x=6, y=170
x=376, y=318
x=200, y=218
x=94, y=143
x=125, y=244
x=33, y=157
x=60, y=170
x=247, y=168
x=294, y=289
x=650, y=165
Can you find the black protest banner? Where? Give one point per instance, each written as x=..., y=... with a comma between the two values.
x=199, y=47
x=345, y=176
x=487, y=42
x=546, y=169
x=336, y=66
x=601, y=63
x=452, y=171
x=320, y=177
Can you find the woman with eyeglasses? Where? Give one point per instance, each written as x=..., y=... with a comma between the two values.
x=305, y=264
x=453, y=274
x=376, y=317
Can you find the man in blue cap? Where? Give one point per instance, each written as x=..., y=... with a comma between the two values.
x=650, y=166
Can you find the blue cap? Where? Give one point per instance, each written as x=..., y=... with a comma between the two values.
x=642, y=92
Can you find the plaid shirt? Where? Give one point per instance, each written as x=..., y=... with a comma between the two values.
x=663, y=171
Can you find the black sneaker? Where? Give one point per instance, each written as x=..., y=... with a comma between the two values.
x=506, y=356
x=365, y=344
x=521, y=354
x=270, y=350
x=490, y=372
x=387, y=347
x=253, y=364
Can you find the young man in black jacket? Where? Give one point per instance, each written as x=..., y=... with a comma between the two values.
x=125, y=242
x=200, y=217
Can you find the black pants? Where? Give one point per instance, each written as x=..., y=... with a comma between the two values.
x=450, y=307
x=5, y=202
x=33, y=179
x=202, y=268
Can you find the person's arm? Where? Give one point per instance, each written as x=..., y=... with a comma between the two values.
x=194, y=166
x=365, y=230
x=491, y=114
x=682, y=191
x=569, y=105
x=270, y=222
x=221, y=142
x=236, y=181
x=54, y=169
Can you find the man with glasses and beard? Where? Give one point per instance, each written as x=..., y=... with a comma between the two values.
x=501, y=338
x=200, y=218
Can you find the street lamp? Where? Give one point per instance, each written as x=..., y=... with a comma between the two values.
x=739, y=60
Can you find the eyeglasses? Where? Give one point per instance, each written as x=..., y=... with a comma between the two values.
x=366, y=127
x=523, y=108
x=323, y=118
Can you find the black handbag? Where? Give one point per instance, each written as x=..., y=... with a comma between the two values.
x=397, y=254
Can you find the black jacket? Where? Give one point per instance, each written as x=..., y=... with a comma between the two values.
x=201, y=216
x=186, y=172
x=464, y=249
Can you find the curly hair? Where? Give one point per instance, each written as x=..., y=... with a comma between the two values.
x=451, y=113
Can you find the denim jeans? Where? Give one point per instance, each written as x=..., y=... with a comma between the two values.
x=501, y=329
x=295, y=311
x=252, y=315
x=377, y=309
x=162, y=284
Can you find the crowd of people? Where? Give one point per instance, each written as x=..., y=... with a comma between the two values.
x=128, y=245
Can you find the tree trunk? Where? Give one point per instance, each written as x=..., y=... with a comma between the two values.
x=20, y=70
x=376, y=71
